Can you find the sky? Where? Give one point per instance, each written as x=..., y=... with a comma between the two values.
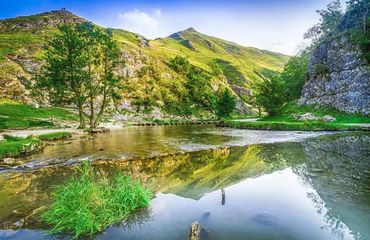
x=275, y=25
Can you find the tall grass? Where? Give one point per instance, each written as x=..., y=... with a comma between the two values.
x=85, y=205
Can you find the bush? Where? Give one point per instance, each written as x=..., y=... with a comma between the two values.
x=270, y=95
x=85, y=205
x=225, y=104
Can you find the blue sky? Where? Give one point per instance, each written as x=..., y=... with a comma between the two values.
x=276, y=25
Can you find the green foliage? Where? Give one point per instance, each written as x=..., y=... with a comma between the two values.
x=319, y=69
x=180, y=65
x=198, y=90
x=55, y=136
x=79, y=69
x=294, y=76
x=329, y=19
x=16, y=146
x=85, y=205
x=361, y=37
x=14, y=115
x=225, y=104
x=270, y=95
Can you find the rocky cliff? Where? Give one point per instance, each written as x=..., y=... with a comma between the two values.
x=339, y=75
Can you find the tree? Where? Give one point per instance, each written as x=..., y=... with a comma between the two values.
x=225, y=104
x=102, y=53
x=270, y=94
x=294, y=76
x=79, y=70
x=329, y=19
x=63, y=73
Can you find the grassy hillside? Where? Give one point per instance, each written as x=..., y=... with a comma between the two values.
x=148, y=79
x=241, y=65
x=14, y=115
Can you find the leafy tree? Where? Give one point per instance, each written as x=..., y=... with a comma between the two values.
x=63, y=74
x=79, y=70
x=329, y=18
x=270, y=94
x=294, y=76
x=225, y=104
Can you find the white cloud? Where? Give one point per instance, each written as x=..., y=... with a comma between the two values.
x=145, y=23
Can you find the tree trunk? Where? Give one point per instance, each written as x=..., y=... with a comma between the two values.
x=82, y=120
x=92, y=123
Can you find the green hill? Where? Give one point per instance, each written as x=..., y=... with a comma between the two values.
x=149, y=80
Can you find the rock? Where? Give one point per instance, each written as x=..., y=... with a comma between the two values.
x=241, y=91
x=20, y=223
x=9, y=161
x=143, y=41
x=307, y=117
x=194, y=233
x=311, y=117
x=328, y=118
x=187, y=43
x=343, y=81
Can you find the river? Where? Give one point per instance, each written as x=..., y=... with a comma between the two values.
x=276, y=184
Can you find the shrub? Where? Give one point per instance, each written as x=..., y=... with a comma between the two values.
x=225, y=104
x=85, y=205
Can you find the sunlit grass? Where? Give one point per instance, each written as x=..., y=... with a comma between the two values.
x=16, y=146
x=15, y=115
x=55, y=136
x=85, y=205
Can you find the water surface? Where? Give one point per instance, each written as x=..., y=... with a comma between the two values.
x=283, y=185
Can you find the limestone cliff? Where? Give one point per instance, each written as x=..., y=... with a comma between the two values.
x=339, y=75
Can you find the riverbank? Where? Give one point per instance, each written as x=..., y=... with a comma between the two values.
x=303, y=118
x=13, y=146
x=294, y=125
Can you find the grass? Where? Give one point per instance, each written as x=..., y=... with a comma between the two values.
x=286, y=121
x=85, y=205
x=15, y=115
x=292, y=108
x=293, y=126
x=16, y=146
x=54, y=136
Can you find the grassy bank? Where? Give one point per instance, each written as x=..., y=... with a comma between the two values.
x=14, y=115
x=13, y=147
x=286, y=120
x=99, y=203
x=55, y=136
x=16, y=147
x=292, y=126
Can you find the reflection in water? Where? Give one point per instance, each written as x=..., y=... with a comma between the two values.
x=313, y=189
x=146, y=142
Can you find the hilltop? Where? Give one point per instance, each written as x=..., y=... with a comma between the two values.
x=150, y=82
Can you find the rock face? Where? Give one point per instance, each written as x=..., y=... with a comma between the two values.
x=339, y=76
x=47, y=19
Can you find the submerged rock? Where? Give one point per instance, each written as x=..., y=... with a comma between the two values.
x=194, y=233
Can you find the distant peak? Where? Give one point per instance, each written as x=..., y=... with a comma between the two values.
x=62, y=11
x=190, y=29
